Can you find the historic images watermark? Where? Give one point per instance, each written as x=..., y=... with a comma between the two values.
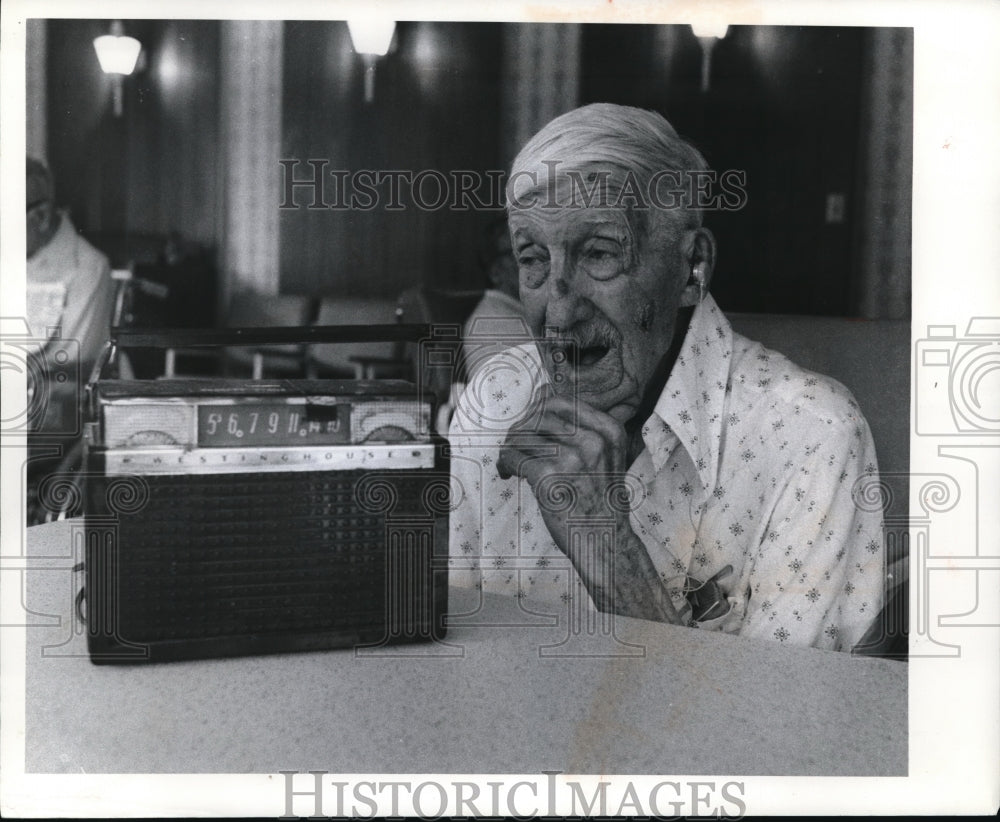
x=51, y=368
x=962, y=371
x=49, y=413
x=311, y=185
x=957, y=391
x=324, y=795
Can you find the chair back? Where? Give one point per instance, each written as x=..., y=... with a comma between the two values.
x=870, y=357
x=343, y=359
x=438, y=307
x=249, y=309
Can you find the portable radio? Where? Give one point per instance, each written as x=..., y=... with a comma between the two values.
x=229, y=517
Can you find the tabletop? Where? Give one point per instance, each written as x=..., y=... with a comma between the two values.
x=507, y=691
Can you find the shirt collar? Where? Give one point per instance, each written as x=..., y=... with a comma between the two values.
x=692, y=403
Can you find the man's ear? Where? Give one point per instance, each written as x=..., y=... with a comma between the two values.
x=698, y=250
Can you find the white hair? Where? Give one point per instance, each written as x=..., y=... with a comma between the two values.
x=622, y=139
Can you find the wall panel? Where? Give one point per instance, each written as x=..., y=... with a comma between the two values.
x=155, y=168
x=435, y=107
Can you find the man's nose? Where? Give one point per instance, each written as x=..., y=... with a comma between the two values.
x=568, y=301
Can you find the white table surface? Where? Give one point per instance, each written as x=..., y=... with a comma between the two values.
x=502, y=695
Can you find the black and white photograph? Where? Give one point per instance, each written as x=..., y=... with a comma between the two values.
x=416, y=410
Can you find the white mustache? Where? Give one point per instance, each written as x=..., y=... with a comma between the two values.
x=589, y=336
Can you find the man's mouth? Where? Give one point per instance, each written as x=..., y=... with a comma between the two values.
x=588, y=365
x=582, y=351
x=592, y=354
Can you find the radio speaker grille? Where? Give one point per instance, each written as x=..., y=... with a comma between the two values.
x=243, y=563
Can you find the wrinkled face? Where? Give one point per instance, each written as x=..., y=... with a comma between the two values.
x=38, y=220
x=615, y=295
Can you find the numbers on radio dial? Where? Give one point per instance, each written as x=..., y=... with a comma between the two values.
x=232, y=421
x=272, y=426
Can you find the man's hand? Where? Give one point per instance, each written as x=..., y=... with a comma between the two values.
x=573, y=452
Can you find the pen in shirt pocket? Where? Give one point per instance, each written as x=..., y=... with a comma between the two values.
x=707, y=599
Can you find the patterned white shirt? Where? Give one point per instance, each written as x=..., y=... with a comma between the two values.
x=749, y=461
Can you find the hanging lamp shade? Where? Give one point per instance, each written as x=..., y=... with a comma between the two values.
x=710, y=28
x=371, y=35
x=116, y=52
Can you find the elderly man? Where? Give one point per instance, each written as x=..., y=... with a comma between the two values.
x=70, y=295
x=68, y=280
x=640, y=453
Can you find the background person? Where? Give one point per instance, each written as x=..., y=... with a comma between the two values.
x=68, y=280
x=498, y=317
x=70, y=300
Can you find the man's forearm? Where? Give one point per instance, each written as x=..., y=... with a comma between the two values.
x=622, y=579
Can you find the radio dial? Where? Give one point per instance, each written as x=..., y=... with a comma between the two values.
x=140, y=438
x=389, y=433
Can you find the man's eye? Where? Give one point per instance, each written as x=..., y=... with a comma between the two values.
x=602, y=260
x=599, y=254
x=533, y=269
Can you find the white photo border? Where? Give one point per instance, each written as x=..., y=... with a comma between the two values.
x=954, y=715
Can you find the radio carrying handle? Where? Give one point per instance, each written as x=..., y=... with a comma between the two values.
x=164, y=338
x=275, y=335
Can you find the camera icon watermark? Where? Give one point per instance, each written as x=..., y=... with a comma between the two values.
x=500, y=378
x=51, y=367
x=963, y=373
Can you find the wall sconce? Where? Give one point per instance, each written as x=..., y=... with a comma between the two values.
x=371, y=38
x=117, y=55
x=709, y=31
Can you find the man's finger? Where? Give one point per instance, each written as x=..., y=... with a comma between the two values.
x=568, y=420
x=529, y=462
x=558, y=415
x=573, y=410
